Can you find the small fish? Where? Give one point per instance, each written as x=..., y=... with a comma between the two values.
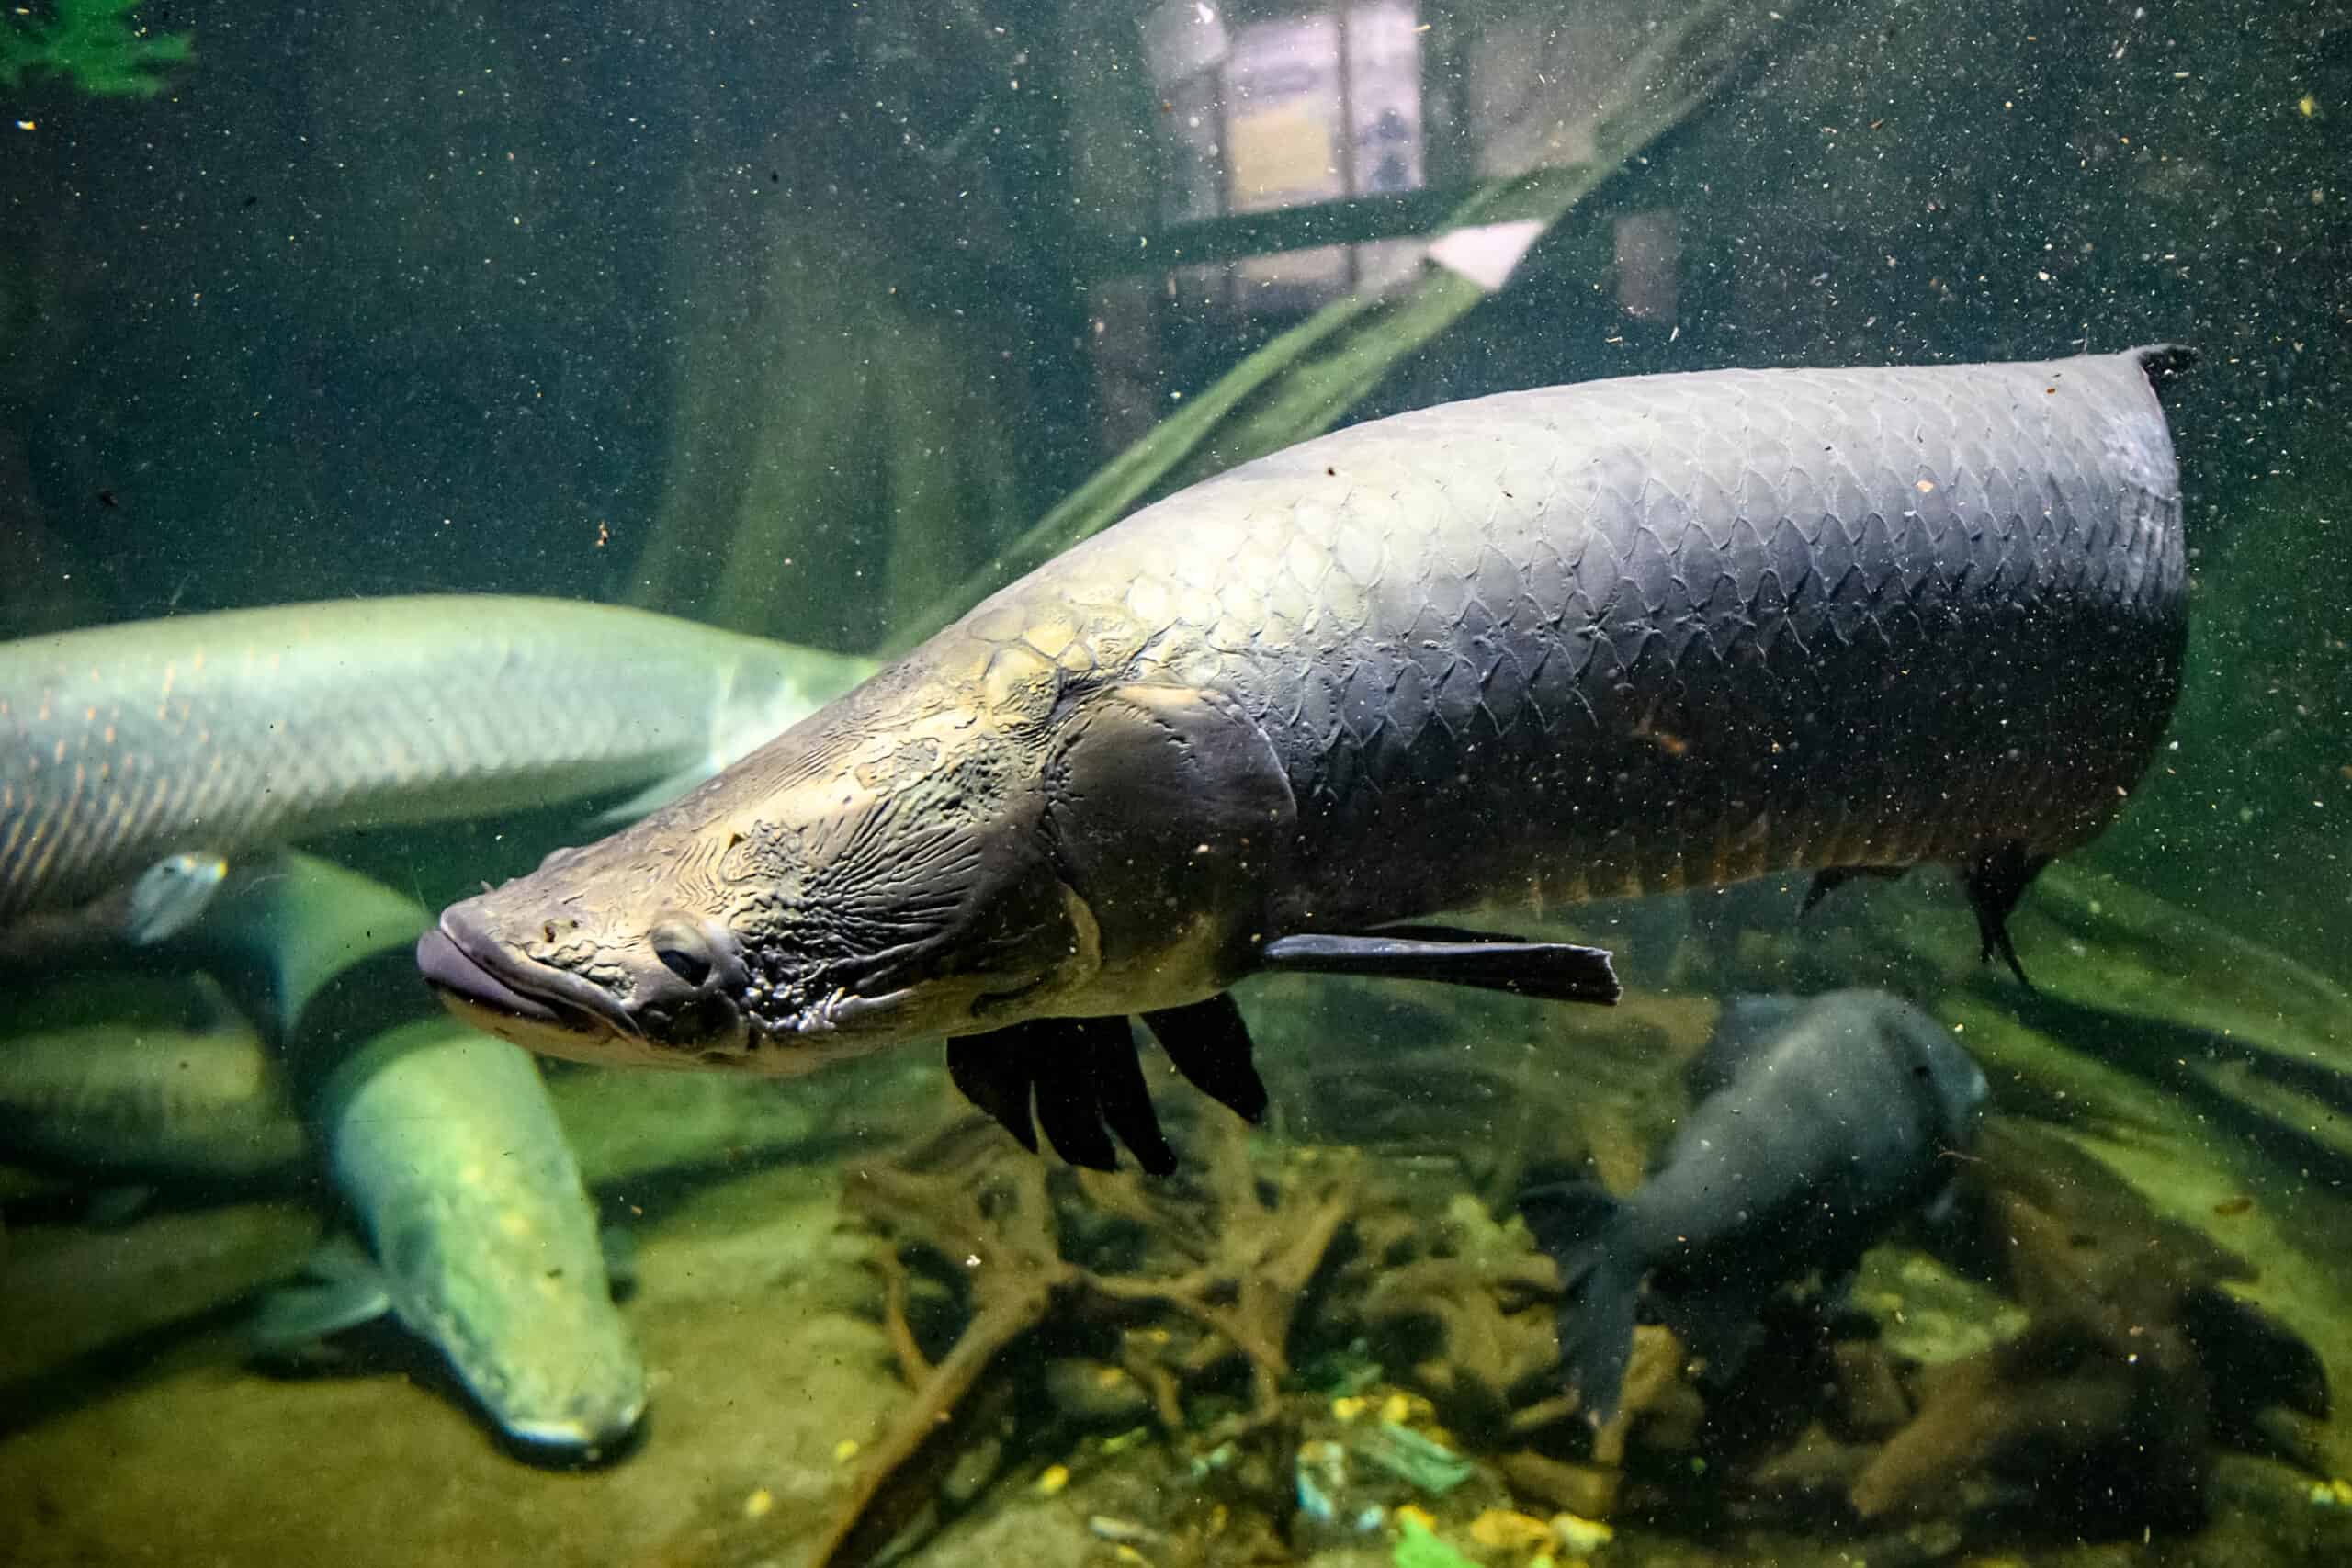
x=160, y=903
x=1819, y=1125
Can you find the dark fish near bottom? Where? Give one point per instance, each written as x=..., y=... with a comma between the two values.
x=1820, y=1126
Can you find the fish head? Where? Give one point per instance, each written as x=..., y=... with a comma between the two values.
x=808, y=905
x=1947, y=1080
x=926, y=857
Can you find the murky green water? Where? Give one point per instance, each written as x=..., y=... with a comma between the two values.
x=805, y=328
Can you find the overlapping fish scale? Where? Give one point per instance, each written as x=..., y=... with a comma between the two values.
x=1566, y=594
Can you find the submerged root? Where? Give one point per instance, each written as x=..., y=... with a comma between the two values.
x=1229, y=1250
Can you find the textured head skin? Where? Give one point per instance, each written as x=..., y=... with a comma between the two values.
x=977, y=837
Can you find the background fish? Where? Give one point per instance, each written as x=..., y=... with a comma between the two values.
x=147, y=1100
x=1823, y=1123
x=123, y=745
x=443, y=1147
x=159, y=903
x=483, y=1241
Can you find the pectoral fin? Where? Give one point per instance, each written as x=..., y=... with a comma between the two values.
x=993, y=1071
x=340, y=1287
x=1077, y=1077
x=1209, y=1042
x=1553, y=970
x=653, y=797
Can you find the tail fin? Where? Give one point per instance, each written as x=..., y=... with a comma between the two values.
x=1579, y=1224
x=2163, y=364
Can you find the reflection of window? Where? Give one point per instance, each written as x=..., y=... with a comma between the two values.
x=1275, y=105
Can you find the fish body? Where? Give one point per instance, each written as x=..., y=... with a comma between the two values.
x=444, y=1148
x=1827, y=1122
x=449, y=1154
x=1547, y=646
x=148, y=1100
x=122, y=746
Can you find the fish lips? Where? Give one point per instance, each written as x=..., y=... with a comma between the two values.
x=474, y=977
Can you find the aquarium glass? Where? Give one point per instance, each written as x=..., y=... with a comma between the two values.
x=582, y=586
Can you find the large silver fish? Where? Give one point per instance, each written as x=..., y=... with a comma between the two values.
x=1623, y=637
x=122, y=746
x=479, y=1240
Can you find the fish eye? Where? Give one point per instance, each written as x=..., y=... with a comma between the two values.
x=691, y=968
x=682, y=952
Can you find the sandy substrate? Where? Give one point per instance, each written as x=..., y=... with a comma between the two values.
x=760, y=1367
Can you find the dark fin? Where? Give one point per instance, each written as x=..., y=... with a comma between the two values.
x=1745, y=1027
x=1996, y=880
x=2163, y=364
x=1576, y=1223
x=1125, y=1100
x=1065, y=1105
x=1830, y=878
x=993, y=1073
x=1210, y=1044
x=1078, y=1073
x=2255, y=1360
x=1552, y=970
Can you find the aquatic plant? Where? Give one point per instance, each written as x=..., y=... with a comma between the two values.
x=1307, y=379
x=94, y=42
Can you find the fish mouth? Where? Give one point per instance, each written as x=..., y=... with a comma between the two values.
x=572, y=1443
x=478, y=979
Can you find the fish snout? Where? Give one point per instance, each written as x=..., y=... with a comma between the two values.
x=448, y=968
x=599, y=1428
x=486, y=981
